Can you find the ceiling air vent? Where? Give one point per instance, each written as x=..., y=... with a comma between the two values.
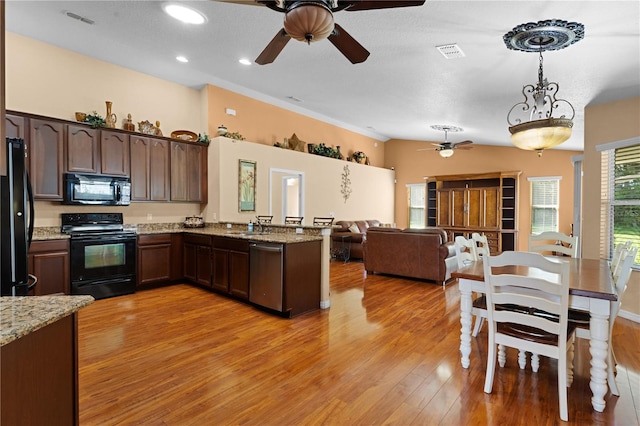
x=80, y=18
x=451, y=51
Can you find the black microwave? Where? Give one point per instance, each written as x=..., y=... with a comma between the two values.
x=96, y=190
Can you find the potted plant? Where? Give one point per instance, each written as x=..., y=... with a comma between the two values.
x=95, y=120
x=360, y=157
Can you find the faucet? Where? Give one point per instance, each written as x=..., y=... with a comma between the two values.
x=260, y=227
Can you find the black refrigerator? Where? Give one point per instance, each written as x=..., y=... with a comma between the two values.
x=16, y=222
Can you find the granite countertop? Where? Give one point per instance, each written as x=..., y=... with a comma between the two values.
x=270, y=237
x=22, y=315
x=285, y=234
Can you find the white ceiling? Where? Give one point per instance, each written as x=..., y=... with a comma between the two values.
x=404, y=86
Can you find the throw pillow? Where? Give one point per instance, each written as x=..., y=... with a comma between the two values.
x=354, y=228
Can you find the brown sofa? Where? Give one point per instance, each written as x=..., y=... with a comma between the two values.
x=341, y=229
x=414, y=253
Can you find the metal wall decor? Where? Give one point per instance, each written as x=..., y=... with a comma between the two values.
x=345, y=186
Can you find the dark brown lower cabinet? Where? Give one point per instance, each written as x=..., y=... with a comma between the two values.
x=302, y=271
x=154, y=258
x=231, y=266
x=49, y=262
x=39, y=376
x=197, y=259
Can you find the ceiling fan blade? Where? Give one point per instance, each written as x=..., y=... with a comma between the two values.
x=463, y=143
x=380, y=4
x=273, y=49
x=437, y=144
x=245, y=2
x=348, y=45
x=428, y=149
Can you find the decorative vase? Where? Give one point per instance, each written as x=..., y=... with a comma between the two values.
x=338, y=153
x=222, y=130
x=311, y=147
x=111, y=118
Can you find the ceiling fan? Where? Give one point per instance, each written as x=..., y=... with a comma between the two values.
x=312, y=20
x=445, y=149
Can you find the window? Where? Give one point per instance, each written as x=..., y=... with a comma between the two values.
x=620, y=206
x=544, y=204
x=416, y=192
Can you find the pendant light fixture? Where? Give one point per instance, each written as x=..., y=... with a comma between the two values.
x=542, y=121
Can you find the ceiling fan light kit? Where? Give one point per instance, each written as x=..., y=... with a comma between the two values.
x=312, y=20
x=446, y=148
x=308, y=21
x=541, y=121
x=446, y=152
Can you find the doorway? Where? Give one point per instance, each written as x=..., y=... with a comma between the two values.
x=286, y=194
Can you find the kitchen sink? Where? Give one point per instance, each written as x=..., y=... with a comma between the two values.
x=246, y=233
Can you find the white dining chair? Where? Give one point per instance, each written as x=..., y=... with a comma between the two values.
x=617, y=252
x=618, y=256
x=480, y=242
x=552, y=337
x=581, y=318
x=465, y=251
x=549, y=242
x=553, y=243
x=479, y=306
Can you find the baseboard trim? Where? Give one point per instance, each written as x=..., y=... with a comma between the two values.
x=324, y=304
x=630, y=316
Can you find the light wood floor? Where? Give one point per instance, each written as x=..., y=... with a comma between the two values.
x=386, y=352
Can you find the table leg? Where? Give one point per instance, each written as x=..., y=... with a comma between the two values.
x=465, y=320
x=599, y=348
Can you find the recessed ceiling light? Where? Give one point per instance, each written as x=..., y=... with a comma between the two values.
x=184, y=14
x=244, y=61
x=182, y=59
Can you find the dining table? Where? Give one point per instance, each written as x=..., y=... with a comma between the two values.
x=591, y=289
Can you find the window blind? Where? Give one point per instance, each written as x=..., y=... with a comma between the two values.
x=417, y=206
x=620, y=198
x=544, y=204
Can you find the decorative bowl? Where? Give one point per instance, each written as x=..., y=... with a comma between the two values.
x=194, y=222
x=184, y=135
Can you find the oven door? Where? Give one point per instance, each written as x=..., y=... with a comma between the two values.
x=102, y=256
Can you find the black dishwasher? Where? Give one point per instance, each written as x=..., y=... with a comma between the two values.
x=266, y=275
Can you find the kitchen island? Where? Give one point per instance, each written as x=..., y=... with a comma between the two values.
x=39, y=359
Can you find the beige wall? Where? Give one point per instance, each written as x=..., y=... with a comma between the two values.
x=264, y=123
x=412, y=166
x=54, y=82
x=372, y=188
x=605, y=123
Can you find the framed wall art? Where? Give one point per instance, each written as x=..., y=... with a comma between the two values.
x=247, y=186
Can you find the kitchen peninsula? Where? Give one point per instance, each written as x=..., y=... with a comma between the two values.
x=229, y=260
x=38, y=359
x=278, y=268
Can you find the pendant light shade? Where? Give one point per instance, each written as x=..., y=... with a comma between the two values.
x=309, y=22
x=541, y=134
